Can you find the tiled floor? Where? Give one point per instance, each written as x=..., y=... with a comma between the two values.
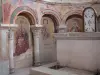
x=22, y=71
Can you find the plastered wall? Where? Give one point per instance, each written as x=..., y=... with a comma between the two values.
x=80, y=54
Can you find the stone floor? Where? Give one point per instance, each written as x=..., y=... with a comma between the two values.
x=22, y=71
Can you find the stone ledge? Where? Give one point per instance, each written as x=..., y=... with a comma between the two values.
x=46, y=71
x=78, y=36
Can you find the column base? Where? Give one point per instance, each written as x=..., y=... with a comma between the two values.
x=38, y=64
x=11, y=70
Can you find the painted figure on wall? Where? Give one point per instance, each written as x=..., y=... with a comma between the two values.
x=75, y=28
x=21, y=41
x=75, y=24
x=22, y=36
x=48, y=28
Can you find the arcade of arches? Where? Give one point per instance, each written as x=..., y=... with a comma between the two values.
x=41, y=32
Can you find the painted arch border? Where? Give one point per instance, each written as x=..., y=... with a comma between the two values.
x=71, y=12
x=22, y=9
x=53, y=13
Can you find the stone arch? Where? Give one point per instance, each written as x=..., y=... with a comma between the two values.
x=74, y=18
x=54, y=20
x=23, y=9
x=24, y=33
x=53, y=13
x=78, y=12
x=54, y=16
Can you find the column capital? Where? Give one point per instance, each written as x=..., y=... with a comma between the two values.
x=36, y=27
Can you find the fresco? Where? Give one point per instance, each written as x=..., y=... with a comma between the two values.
x=21, y=41
x=22, y=37
x=74, y=24
x=48, y=28
x=75, y=27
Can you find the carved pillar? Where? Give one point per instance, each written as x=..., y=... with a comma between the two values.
x=37, y=29
x=11, y=50
x=11, y=45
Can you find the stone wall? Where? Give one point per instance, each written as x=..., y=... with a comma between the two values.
x=12, y=8
x=80, y=54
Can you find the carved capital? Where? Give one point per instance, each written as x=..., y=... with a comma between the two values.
x=36, y=29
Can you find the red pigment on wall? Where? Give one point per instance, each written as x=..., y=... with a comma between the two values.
x=6, y=11
x=22, y=43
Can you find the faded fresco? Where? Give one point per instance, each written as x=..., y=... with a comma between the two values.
x=22, y=43
x=22, y=37
x=48, y=28
x=75, y=24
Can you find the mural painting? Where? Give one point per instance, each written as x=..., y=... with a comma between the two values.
x=75, y=27
x=74, y=24
x=21, y=41
x=22, y=38
x=45, y=31
x=48, y=28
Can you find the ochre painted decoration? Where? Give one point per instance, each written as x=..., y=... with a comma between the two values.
x=48, y=27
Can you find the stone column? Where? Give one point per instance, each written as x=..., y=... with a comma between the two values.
x=10, y=28
x=11, y=50
x=37, y=29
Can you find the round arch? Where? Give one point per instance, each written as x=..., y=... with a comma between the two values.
x=29, y=17
x=72, y=12
x=26, y=11
x=74, y=23
x=54, y=20
x=53, y=14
